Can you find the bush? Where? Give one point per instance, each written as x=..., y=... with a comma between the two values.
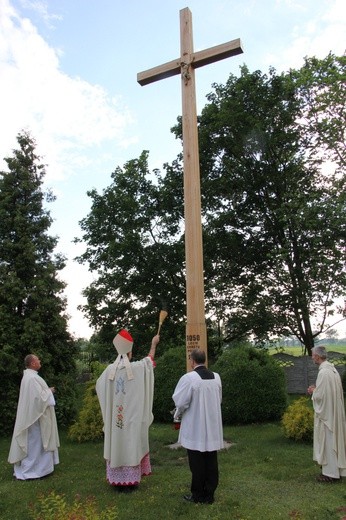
x=169, y=369
x=89, y=424
x=298, y=420
x=54, y=507
x=343, y=380
x=66, y=400
x=9, y=387
x=253, y=386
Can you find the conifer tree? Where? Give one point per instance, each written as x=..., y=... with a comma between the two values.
x=32, y=305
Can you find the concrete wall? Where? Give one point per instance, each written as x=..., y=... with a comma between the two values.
x=302, y=372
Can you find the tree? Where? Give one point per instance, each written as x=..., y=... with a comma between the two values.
x=273, y=219
x=32, y=305
x=320, y=85
x=331, y=335
x=135, y=248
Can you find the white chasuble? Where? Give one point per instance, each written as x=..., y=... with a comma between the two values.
x=35, y=440
x=329, y=420
x=126, y=407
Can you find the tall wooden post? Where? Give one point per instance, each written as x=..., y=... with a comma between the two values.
x=196, y=334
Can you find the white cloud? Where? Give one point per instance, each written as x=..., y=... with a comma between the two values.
x=77, y=277
x=312, y=35
x=319, y=36
x=41, y=8
x=65, y=115
x=71, y=120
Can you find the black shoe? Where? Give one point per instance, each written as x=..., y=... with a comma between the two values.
x=189, y=498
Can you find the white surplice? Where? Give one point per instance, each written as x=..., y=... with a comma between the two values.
x=198, y=401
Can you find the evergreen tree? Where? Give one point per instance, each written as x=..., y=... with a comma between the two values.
x=32, y=306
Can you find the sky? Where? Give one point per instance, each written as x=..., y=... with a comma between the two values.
x=68, y=75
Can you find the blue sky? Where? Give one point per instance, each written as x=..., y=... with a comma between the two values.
x=68, y=74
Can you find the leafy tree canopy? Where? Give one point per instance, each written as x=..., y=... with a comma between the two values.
x=273, y=216
x=135, y=247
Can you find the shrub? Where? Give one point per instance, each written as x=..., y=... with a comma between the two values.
x=54, y=507
x=298, y=420
x=343, y=380
x=66, y=400
x=8, y=369
x=169, y=369
x=89, y=424
x=253, y=386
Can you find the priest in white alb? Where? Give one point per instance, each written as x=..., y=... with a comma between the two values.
x=329, y=448
x=35, y=440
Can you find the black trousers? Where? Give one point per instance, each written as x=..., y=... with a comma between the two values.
x=205, y=474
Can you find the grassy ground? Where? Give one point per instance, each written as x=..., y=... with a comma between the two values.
x=263, y=476
x=298, y=351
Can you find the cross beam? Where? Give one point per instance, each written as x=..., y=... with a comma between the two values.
x=197, y=59
x=196, y=334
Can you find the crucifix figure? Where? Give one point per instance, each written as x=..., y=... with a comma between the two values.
x=196, y=333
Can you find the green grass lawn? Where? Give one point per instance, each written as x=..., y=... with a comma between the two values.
x=263, y=476
x=298, y=351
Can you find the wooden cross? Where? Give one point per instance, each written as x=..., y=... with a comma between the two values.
x=196, y=333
